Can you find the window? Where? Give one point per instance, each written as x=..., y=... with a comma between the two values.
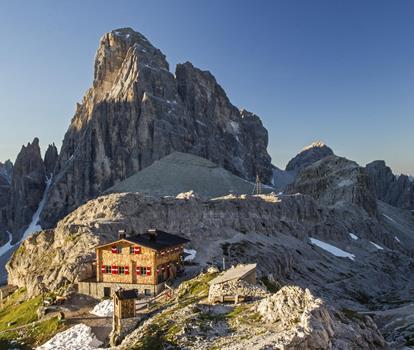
x=116, y=249
x=134, y=250
x=106, y=269
x=143, y=270
x=121, y=270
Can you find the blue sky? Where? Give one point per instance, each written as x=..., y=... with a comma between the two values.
x=337, y=71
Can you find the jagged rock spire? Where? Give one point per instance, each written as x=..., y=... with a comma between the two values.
x=137, y=112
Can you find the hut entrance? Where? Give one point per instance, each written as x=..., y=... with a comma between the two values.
x=107, y=291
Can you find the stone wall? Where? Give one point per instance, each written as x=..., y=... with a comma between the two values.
x=96, y=289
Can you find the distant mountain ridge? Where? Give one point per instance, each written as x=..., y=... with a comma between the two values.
x=392, y=189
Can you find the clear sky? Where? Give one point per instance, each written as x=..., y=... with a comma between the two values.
x=334, y=70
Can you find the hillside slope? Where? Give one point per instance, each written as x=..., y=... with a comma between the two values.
x=183, y=172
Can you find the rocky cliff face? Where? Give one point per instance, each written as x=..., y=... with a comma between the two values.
x=309, y=155
x=335, y=181
x=396, y=191
x=27, y=187
x=6, y=170
x=50, y=161
x=137, y=112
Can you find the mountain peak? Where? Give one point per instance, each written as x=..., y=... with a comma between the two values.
x=309, y=155
x=315, y=144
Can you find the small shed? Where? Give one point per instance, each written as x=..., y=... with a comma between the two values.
x=126, y=312
x=229, y=285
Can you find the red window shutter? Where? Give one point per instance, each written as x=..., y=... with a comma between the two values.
x=114, y=250
x=103, y=269
x=114, y=270
x=138, y=270
x=137, y=250
x=148, y=271
x=126, y=270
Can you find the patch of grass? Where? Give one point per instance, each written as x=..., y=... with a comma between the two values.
x=17, y=312
x=239, y=309
x=196, y=288
x=409, y=341
x=353, y=315
x=272, y=287
x=155, y=338
x=362, y=297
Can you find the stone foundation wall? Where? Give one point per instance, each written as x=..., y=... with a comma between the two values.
x=97, y=289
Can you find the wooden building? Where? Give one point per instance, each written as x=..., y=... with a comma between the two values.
x=142, y=262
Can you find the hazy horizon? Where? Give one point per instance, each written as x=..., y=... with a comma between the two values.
x=338, y=72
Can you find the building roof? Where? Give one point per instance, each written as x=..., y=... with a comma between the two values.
x=154, y=239
x=235, y=273
x=123, y=294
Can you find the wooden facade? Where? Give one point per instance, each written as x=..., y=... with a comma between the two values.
x=145, y=261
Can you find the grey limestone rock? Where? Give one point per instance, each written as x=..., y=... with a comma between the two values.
x=137, y=112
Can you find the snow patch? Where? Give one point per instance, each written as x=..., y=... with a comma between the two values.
x=6, y=247
x=332, y=249
x=345, y=182
x=192, y=254
x=397, y=239
x=33, y=226
x=355, y=237
x=376, y=245
x=79, y=337
x=103, y=309
x=389, y=218
x=200, y=122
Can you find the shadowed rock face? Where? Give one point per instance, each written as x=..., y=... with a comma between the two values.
x=51, y=157
x=308, y=156
x=334, y=181
x=396, y=191
x=138, y=112
x=6, y=170
x=27, y=187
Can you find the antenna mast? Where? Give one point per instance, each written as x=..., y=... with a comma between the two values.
x=257, y=186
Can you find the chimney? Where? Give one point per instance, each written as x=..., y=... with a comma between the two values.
x=152, y=232
x=121, y=234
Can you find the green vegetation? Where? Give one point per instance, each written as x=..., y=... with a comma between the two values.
x=409, y=340
x=353, y=315
x=195, y=289
x=16, y=322
x=272, y=287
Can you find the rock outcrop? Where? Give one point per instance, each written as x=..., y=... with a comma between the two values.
x=334, y=181
x=27, y=188
x=309, y=155
x=306, y=322
x=394, y=190
x=291, y=319
x=50, y=161
x=6, y=170
x=138, y=112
